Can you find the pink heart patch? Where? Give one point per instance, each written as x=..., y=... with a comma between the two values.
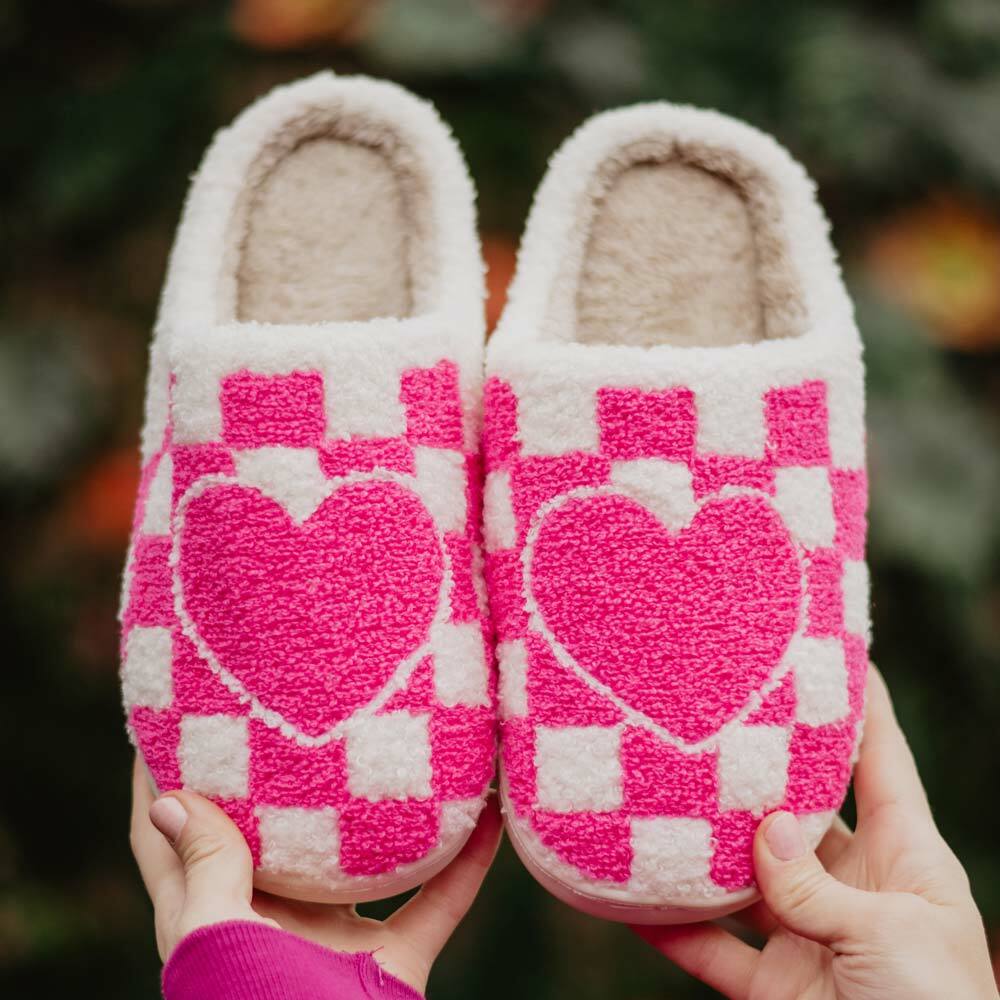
x=311, y=619
x=683, y=627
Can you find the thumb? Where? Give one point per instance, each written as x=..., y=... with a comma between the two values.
x=801, y=894
x=215, y=857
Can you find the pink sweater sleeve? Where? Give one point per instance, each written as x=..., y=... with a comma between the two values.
x=246, y=961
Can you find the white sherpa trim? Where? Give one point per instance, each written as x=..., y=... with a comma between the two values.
x=196, y=304
x=555, y=378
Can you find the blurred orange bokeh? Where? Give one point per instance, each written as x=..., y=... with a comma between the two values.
x=941, y=261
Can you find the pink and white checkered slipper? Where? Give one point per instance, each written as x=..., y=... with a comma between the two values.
x=674, y=516
x=304, y=636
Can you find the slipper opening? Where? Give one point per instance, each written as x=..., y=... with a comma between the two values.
x=683, y=244
x=332, y=226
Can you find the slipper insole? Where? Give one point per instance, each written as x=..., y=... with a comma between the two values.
x=670, y=258
x=327, y=238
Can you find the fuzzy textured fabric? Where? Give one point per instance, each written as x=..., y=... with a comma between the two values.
x=674, y=533
x=238, y=960
x=304, y=629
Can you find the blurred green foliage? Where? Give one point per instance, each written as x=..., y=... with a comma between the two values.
x=106, y=107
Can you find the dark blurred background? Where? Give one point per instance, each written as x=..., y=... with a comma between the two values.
x=105, y=109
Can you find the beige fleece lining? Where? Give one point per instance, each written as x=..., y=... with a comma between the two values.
x=681, y=244
x=333, y=225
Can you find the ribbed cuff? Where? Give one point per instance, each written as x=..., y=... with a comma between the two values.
x=240, y=960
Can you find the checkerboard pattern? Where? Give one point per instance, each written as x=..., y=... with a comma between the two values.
x=405, y=775
x=601, y=795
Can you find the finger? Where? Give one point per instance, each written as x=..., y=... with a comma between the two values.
x=801, y=894
x=886, y=773
x=837, y=839
x=216, y=861
x=431, y=916
x=757, y=918
x=719, y=959
x=160, y=868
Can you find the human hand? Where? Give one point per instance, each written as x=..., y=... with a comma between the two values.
x=885, y=912
x=197, y=869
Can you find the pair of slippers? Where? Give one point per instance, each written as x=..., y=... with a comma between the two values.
x=649, y=511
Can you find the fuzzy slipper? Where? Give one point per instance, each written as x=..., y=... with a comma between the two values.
x=674, y=516
x=303, y=632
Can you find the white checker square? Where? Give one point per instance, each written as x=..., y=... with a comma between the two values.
x=855, y=586
x=804, y=499
x=294, y=841
x=551, y=422
x=214, y=755
x=389, y=757
x=845, y=404
x=753, y=767
x=662, y=487
x=512, y=658
x=578, y=768
x=671, y=854
x=820, y=672
x=156, y=516
x=499, y=524
x=195, y=408
x=291, y=476
x=461, y=675
x=441, y=478
x=731, y=420
x=146, y=672
x=364, y=401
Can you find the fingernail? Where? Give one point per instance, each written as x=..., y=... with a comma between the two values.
x=784, y=837
x=169, y=817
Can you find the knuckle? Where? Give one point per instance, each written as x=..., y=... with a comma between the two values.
x=802, y=891
x=201, y=849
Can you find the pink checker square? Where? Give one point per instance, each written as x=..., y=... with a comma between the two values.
x=243, y=814
x=778, y=706
x=433, y=406
x=856, y=659
x=462, y=740
x=464, y=600
x=732, y=861
x=198, y=690
x=826, y=599
x=819, y=766
x=710, y=473
x=797, y=422
x=596, y=843
x=505, y=584
x=501, y=445
x=418, y=695
x=534, y=481
x=517, y=751
x=151, y=598
x=850, y=501
x=557, y=697
x=283, y=773
x=261, y=410
x=159, y=735
x=637, y=424
x=343, y=456
x=192, y=461
x=660, y=780
x=376, y=837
